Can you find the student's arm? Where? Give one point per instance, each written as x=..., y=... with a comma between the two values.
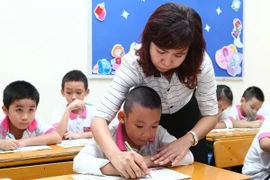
x=220, y=125
x=265, y=143
x=224, y=124
x=8, y=144
x=74, y=135
x=61, y=128
x=264, y=135
x=91, y=160
x=46, y=139
x=247, y=124
x=121, y=160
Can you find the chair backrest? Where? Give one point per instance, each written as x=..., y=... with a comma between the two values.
x=230, y=153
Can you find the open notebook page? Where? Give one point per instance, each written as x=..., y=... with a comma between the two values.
x=27, y=149
x=159, y=173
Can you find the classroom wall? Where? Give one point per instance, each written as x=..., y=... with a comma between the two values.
x=40, y=40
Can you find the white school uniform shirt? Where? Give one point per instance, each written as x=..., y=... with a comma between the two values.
x=174, y=95
x=225, y=118
x=77, y=123
x=35, y=128
x=91, y=158
x=257, y=161
x=265, y=109
x=235, y=114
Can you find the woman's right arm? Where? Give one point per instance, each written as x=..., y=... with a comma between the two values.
x=129, y=164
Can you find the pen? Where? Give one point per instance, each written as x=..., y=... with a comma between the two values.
x=8, y=134
x=130, y=149
x=88, y=104
x=251, y=114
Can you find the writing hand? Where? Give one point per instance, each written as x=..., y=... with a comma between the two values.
x=129, y=164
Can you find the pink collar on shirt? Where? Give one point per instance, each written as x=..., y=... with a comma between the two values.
x=120, y=138
x=73, y=116
x=238, y=107
x=5, y=124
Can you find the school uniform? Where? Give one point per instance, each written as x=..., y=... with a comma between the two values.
x=265, y=109
x=91, y=158
x=182, y=107
x=35, y=128
x=257, y=161
x=77, y=123
x=225, y=118
x=235, y=114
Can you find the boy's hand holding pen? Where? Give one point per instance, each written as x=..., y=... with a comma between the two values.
x=129, y=148
x=10, y=143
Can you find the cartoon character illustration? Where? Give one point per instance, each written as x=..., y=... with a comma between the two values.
x=236, y=32
x=117, y=52
x=237, y=28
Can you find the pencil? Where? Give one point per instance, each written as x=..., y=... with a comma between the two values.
x=128, y=146
x=130, y=149
x=252, y=115
x=6, y=132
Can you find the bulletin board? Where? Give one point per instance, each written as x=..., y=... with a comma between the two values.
x=117, y=25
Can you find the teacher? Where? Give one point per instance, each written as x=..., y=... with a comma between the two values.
x=171, y=60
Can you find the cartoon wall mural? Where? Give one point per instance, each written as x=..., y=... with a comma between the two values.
x=117, y=26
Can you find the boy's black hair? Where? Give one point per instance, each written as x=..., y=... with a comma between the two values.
x=75, y=75
x=224, y=93
x=143, y=96
x=19, y=90
x=253, y=92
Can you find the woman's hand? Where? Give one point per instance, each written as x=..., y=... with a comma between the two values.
x=174, y=151
x=129, y=164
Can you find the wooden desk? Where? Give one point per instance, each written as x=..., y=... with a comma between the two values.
x=196, y=171
x=37, y=164
x=214, y=136
x=56, y=154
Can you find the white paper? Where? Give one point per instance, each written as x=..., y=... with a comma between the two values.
x=234, y=129
x=27, y=149
x=74, y=143
x=159, y=173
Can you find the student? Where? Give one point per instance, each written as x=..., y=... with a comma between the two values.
x=245, y=115
x=171, y=60
x=225, y=100
x=74, y=120
x=257, y=161
x=139, y=126
x=21, y=128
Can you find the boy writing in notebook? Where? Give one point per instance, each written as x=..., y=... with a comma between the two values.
x=139, y=127
x=245, y=115
x=74, y=121
x=20, y=128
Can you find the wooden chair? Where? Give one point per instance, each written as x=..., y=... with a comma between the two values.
x=231, y=152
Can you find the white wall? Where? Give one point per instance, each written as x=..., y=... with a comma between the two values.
x=40, y=40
